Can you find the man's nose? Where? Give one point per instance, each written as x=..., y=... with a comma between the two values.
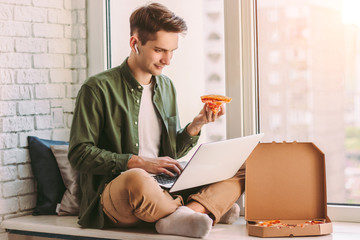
x=166, y=58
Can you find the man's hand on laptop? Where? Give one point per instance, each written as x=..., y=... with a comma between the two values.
x=165, y=165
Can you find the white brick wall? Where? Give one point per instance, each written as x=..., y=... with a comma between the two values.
x=8, y=173
x=27, y=202
x=7, y=109
x=15, y=60
x=61, y=46
x=14, y=156
x=6, y=44
x=61, y=76
x=15, y=29
x=9, y=205
x=48, y=61
x=48, y=30
x=30, y=14
x=15, y=92
x=42, y=65
x=38, y=45
x=33, y=107
x=49, y=4
x=7, y=76
x=31, y=76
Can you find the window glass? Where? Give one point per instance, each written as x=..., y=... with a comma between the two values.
x=197, y=66
x=309, y=80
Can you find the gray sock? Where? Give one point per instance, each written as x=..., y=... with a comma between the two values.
x=232, y=215
x=185, y=222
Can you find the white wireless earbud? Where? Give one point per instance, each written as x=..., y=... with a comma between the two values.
x=136, y=49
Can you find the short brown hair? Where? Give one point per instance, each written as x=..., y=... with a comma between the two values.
x=151, y=18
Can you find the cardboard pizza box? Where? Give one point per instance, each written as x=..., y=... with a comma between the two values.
x=286, y=182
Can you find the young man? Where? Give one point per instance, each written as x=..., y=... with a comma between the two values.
x=126, y=125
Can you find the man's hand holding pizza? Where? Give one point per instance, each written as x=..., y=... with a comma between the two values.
x=212, y=110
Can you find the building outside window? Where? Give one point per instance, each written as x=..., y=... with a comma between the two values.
x=309, y=60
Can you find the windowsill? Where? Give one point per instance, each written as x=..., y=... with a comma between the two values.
x=66, y=225
x=343, y=213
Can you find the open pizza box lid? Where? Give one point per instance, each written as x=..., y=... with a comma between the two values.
x=286, y=182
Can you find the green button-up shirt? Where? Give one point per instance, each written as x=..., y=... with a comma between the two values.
x=104, y=134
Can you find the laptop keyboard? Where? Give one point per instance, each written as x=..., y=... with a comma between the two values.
x=165, y=180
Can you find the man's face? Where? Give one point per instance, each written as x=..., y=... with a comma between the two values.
x=156, y=54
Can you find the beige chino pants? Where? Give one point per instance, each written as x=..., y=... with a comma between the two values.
x=135, y=196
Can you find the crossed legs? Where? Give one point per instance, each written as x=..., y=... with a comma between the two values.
x=135, y=196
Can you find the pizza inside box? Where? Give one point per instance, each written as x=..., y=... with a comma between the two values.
x=286, y=191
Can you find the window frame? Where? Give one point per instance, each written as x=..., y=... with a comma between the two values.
x=240, y=64
x=96, y=36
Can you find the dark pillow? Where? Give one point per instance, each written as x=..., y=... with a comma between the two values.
x=50, y=186
x=71, y=200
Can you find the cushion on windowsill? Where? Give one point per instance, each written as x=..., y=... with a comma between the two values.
x=50, y=186
x=71, y=200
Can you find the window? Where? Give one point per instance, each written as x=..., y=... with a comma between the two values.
x=317, y=53
x=312, y=68
x=280, y=44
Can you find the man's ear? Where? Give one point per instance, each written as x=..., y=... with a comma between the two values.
x=133, y=44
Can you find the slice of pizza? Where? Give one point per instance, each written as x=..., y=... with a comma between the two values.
x=215, y=101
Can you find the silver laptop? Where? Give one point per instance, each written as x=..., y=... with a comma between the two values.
x=213, y=162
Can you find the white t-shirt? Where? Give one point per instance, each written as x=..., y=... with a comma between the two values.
x=149, y=125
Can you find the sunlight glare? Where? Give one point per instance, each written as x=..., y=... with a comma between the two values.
x=350, y=12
